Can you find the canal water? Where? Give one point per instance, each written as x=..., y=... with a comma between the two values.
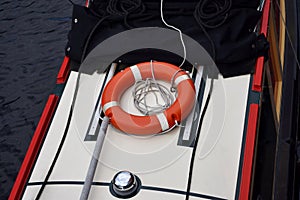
x=33, y=35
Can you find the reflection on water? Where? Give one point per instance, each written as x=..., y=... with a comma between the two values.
x=33, y=35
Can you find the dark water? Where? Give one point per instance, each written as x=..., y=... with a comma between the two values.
x=33, y=35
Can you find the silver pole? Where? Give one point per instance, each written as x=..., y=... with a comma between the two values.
x=97, y=149
x=93, y=164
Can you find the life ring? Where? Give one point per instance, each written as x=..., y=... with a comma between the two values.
x=149, y=124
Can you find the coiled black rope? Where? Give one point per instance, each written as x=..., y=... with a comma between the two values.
x=211, y=14
x=115, y=8
x=125, y=8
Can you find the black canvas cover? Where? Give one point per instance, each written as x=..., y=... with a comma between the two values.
x=223, y=27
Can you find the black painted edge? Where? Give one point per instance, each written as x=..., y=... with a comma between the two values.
x=94, y=137
x=195, y=126
x=107, y=184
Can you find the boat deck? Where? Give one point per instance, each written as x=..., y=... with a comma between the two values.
x=161, y=163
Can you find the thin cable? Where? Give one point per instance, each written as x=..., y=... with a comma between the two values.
x=170, y=129
x=172, y=88
x=211, y=14
x=66, y=130
x=191, y=169
x=166, y=96
x=40, y=192
x=125, y=8
x=177, y=29
x=90, y=37
x=116, y=8
x=143, y=88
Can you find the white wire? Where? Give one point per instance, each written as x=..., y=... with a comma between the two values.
x=177, y=29
x=170, y=129
x=150, y=86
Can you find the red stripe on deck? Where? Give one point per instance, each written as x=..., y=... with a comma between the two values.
x=33, y=149
x=249, y=152
x=64, y=71
x=257, y=77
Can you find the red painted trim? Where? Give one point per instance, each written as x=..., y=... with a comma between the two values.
x=253, y=116
x=87, y=3
x=64, y=71
x=265, y=18
x=249, y=152
x=257, y=77
x=33, y=148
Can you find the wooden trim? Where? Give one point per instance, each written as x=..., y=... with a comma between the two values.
x=282, y=20
x=275, y=66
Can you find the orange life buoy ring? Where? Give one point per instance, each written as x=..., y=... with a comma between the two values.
x=149, y=124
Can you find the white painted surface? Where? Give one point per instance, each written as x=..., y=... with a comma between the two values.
x=157, y=160
x=55, y=132
x=218, y=151
x=136, y=73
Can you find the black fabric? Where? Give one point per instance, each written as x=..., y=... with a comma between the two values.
x=236, y=46
x=80, y=31
x=144, y=55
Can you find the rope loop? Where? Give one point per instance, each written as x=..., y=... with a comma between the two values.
x=151, y=87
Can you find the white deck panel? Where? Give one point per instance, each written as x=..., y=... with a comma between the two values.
x=55, y=133
x=218, y=153
x=157, y=160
